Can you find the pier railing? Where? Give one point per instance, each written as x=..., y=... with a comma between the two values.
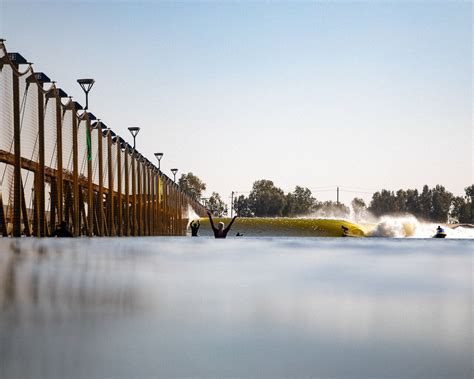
x=59, y=163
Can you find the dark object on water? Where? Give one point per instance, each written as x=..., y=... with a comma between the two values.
x=62, y=231
x=440, y=233
x=194, y=228
x=239, y=234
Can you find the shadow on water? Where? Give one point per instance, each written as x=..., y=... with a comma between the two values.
x=55, y=278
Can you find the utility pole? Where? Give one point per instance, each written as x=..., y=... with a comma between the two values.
x=337, y=195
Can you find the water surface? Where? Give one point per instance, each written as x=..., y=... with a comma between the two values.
x=262, y=307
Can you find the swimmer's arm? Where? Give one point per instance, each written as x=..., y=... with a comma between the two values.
x=232, y=221
x=210, y=219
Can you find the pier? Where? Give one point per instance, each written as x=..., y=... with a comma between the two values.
x=59, y=162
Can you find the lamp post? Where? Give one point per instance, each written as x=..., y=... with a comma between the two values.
x=134, y=131
x=174, y=171
x=159, y=156
x=86, y=85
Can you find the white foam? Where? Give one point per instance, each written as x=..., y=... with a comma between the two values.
x=192, y=215
x=410, y=226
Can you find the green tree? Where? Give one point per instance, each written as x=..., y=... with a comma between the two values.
x=400, y=201
x=359, y=207
x=460, y=210
x=216, y=205
x=192, y=185
x=383, y=203
x=425, y=201
x=440, y=204
x=242, y=206
x=470, y=201
x=299, y=202
x=266, y=200
x=412, y=202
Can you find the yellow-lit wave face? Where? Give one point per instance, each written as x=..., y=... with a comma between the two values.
x=300, y=227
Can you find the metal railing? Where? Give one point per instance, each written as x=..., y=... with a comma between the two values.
x=58, y=163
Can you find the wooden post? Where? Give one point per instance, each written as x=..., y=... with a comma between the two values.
x=100, y=202
x=75, y=174
x=3, y=221
x=53, y=204
x=17, y=157
x=24, y=211
x=119, y=188
x=139, y=197
x=153, y=202
x=145, y=199
x=159, y=204
x=150, y=202
x=110, y=197
x=59, y=154
x=127, y=195
x=134, y=194
x=90, y=194
x=40, y=193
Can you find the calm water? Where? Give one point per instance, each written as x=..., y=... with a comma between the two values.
x=266, y=307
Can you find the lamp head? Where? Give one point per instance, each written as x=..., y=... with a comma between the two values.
x=134, y=130
x=159, y=156
x=86, y=84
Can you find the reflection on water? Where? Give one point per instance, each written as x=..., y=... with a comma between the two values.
x=243, y=307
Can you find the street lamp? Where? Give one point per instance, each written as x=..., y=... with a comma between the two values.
x=174, y=171
x=86, y=85
x=134, y=131
x=159, y=156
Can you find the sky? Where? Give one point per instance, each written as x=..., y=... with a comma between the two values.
x=361, y=95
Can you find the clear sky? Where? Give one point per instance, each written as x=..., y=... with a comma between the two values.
x=366, y=95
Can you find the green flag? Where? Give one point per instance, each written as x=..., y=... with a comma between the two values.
x=89, y=146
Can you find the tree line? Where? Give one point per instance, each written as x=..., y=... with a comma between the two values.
x=431, y=204
x=267, y=200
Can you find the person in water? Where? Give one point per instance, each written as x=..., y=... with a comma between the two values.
x=221, y=231
x=194, y=228
x=62, y=230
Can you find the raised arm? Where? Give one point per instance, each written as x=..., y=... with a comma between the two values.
x=230, y=224
x=211, y=221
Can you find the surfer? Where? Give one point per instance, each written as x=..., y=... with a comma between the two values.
x=220, y=231
x=345, y=231
x=194, y=228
